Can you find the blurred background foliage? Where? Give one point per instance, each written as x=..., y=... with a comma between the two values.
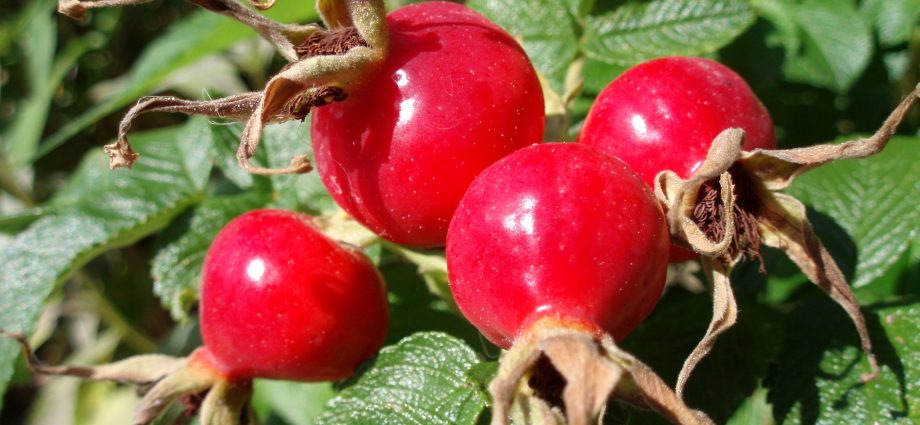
x=99, y=265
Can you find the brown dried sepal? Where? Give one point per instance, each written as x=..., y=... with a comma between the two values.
x=781, y=219
x=161, y=380
x=556, y=374
x=333, y=42
x=324, y=66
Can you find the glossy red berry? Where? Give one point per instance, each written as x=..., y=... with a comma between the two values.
x=663, y=115
x=281, y=300
x=456, y=94
x=557, y=231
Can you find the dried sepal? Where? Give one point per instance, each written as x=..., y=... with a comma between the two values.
x=138, y=370
x=586, y=371
x=311, y=75
x=76, y=9
x=120, y=153
x=776, y=169
x=324, y=66
x=724, y=315
x=679, y=196
x=227, y=403
x=781, y=220
x=284, y=36
x=162, y=380
x=786, y=227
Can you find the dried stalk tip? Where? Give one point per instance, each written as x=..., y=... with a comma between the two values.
x=709, y=214
x=162, y=380
x=556, y=372
x=120, y=154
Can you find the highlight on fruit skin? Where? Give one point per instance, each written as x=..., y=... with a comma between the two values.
x=663, y=114
x=555, y=252
x=280, y=300
x=399, y=153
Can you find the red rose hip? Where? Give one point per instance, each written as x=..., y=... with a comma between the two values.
x=559, y=231
x=663, y=115
x=281, y=300
x=456, y=94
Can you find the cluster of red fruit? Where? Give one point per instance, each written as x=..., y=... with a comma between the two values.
x=440, y=149
x=442, y=146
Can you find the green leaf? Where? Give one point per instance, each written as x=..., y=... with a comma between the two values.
x=414, y=310
x=724, y=381
x=756, y=410
x=546, y=28
x=97, y=211
x=828, y=44
x=894, y=20
x=14, y=223
x=40, y=41
x=425, y=379
x=176, y=268
x=302, y=192
x=816, y=378
x=201, y=34
x=298, y=403
x=281, y=142
x=639, y=31
x=865, y=210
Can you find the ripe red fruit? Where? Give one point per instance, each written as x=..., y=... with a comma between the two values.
x=281, y=300
x=663, y=115
x=558, y=231
x=456, y=94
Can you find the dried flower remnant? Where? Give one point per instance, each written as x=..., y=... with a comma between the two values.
x=749, y=184
x=325, y=64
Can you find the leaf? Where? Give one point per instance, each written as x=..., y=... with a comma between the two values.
x=414, y=310
x=40, y=41
x=14, y=223
x=176, y=269
x=303, y=192
x=425, y=379
x=639, y=31
x=894, y=20
x=827, y=42
x=724, y=381
x=299, y=403
x=201, y=34
x=754, y=411
x=546, y=28
x=816, y=378
x=97, y=211
x=865, y=210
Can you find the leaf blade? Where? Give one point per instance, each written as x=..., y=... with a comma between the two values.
x=425, y=378
x=97, y=211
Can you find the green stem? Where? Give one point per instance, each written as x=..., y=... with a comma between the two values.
x=9, y=185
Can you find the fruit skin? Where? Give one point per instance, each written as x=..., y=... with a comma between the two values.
x=663, y=115
x=560, y=231
x=456, y=94
x=281, y=300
